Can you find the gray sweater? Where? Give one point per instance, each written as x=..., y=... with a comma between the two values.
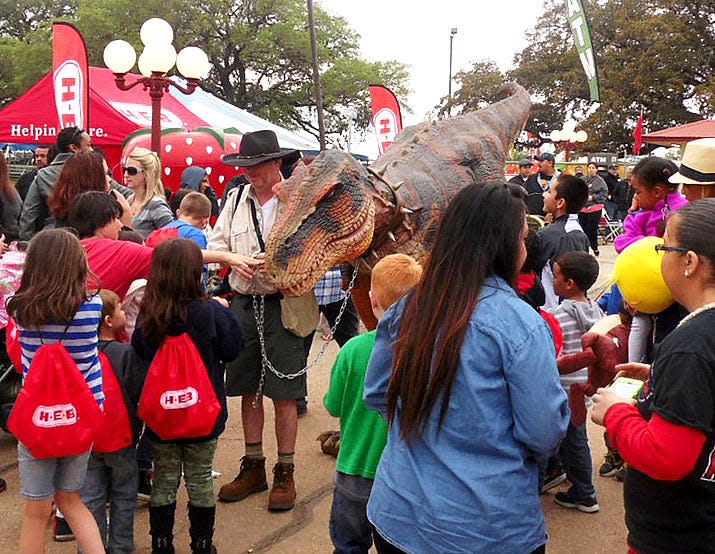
x=36, y=214
x=153, y=216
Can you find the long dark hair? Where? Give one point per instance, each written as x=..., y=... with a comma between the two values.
x=478, y=237
x=54, y=280
x=174, y=281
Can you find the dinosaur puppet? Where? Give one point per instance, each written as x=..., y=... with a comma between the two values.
x=335, y=210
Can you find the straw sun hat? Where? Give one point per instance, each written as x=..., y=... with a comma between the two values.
x=698, y=164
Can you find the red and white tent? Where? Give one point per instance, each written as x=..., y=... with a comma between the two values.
x=114, y=114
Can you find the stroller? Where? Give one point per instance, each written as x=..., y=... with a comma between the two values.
x=10, y=376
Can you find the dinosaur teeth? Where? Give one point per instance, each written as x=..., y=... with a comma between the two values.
x=392, y=236
x=404, y=210
x=397, y=185
x=375, y=254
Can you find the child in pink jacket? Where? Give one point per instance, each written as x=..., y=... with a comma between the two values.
x=656, y=198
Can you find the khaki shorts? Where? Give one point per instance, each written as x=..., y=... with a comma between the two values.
x=285, y=351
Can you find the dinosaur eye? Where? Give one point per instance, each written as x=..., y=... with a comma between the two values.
x=327, y=195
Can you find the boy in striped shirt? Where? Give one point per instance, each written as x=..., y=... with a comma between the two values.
x=574, y=274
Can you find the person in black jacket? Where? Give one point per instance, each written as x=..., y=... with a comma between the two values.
x=25, y=180
x=524, y=172
x=175, y=304
x=623, y=196
x=539, y=183
x=112, y=472
x=563, y=201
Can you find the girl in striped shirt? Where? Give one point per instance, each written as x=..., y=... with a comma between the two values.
x=51, y=305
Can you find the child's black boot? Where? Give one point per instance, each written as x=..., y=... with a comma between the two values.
x=161, y=528
x=201, y=529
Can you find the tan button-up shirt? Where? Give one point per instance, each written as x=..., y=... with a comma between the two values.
x=234, y=231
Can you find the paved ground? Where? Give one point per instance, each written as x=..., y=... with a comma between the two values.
x=248, y=527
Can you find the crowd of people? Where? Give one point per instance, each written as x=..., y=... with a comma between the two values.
x=452, y=426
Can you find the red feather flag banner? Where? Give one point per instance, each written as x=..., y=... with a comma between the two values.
x=70, y=76
x=638, y=135
x=386, y=116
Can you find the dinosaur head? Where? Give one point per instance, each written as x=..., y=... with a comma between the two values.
x=326, y=217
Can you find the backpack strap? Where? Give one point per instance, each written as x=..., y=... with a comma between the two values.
x=64, y=332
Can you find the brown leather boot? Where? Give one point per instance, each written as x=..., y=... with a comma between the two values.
x=250, y=480
x=282, y=496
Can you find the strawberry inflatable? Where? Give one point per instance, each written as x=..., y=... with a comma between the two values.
x=180, y=149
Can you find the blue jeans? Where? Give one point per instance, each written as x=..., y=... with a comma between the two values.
x=40, y=478
x=112, y=478
x=576, y=458
x=350, y=530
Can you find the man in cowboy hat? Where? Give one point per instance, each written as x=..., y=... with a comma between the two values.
x=243, y=226
x=697, y=169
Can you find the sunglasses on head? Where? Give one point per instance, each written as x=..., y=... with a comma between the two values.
x=131, y=170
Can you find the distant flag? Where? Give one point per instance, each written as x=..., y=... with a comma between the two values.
x=386, y=116
x=582, y=38
x=638, y=135
x=70, y=76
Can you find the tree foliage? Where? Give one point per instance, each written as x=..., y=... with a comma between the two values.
x=259, y=50
x=654, y=54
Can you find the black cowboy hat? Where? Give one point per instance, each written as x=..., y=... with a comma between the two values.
x=258, y=147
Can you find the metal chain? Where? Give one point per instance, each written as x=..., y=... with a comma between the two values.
x=259, y=307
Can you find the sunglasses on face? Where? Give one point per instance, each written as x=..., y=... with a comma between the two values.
x=131, y=170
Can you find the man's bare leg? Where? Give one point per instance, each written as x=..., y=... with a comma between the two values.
x=252, y=419
x=286, y=425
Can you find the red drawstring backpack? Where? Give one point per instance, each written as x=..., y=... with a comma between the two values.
x=55, y=414
x=160, y=235
x=12, y=345
x=555, y=328
x=178, y=400
x=116, y=431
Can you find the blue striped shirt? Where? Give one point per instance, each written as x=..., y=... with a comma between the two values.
x=79, y=338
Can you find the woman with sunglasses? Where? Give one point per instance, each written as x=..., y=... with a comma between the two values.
x=142, y=174
x=667, y=434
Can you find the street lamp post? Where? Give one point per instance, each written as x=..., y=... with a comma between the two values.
x=449, y=96
x=568, y=138
x=155, y=62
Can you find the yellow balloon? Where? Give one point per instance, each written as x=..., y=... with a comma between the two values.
x=637, y=274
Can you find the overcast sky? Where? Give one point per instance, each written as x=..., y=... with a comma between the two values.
x=408, y=32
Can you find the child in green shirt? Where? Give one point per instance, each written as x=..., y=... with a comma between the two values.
x=363, y=433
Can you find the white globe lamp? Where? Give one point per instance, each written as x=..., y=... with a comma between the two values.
x=156, y=30
x=159, y=57
x=119, y=56
x=193, y=63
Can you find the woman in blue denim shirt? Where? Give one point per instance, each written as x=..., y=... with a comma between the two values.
x=470, y=388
